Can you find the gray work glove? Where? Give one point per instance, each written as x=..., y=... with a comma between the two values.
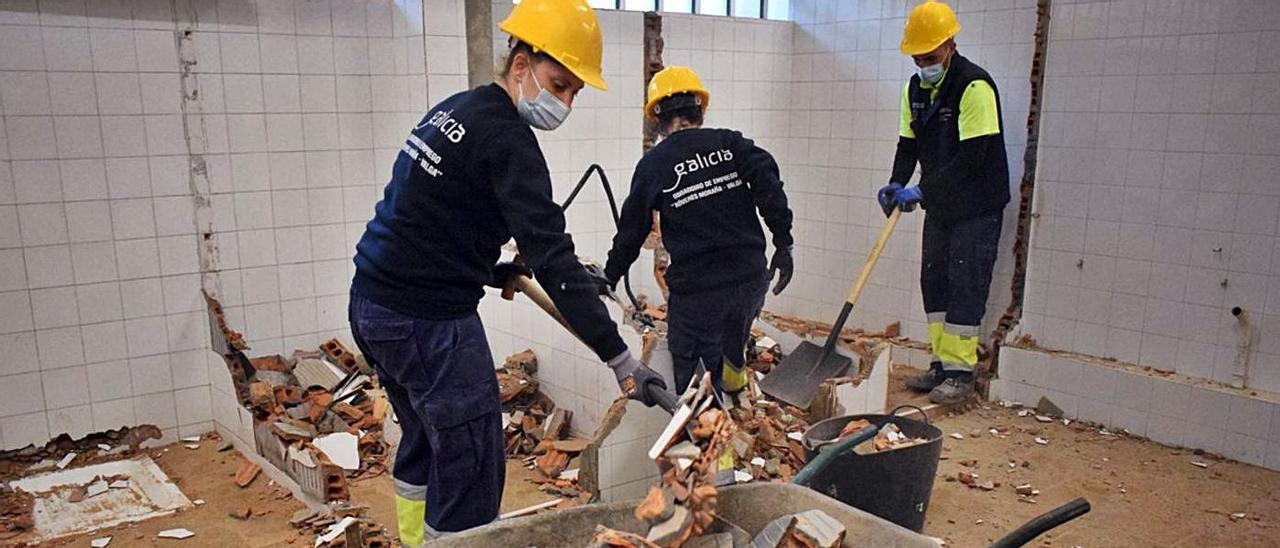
x=635, y=378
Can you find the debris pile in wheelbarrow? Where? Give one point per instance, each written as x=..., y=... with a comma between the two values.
x=690, y=453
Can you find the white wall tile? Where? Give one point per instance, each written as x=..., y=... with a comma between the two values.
x=22, y=394
x=65, y=387
x=109, y=380
x=22, y=430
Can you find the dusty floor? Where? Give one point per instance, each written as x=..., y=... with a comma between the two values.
x=209, y=475
x=1143, y=494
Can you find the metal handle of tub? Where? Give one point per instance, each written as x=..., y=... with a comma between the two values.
x=825, y=457
x=923, y=415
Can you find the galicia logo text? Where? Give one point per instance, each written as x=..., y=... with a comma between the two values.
x=697, y=162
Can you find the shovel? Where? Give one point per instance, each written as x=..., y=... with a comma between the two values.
x=796, y=379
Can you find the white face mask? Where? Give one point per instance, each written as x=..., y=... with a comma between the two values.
x=545, y=111
x=932, y=74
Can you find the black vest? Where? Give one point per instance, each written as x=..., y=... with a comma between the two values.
x=937, y=128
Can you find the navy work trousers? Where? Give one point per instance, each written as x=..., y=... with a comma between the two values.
x=712, y=326
x=439, y=378
x=955, y=279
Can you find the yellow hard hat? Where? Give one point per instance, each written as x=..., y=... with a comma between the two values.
x=566, y=30
x=672, y=80
x=929, y=26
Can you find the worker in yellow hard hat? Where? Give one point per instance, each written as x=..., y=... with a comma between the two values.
x=469, y=177
x=707, y=186
x=951, y=127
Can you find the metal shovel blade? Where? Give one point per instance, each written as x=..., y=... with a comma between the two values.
x=796, y=379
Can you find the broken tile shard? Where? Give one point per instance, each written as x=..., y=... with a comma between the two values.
x=178, y=533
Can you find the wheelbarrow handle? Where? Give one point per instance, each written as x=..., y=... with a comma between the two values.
x=1044, y=522
x=826, y=456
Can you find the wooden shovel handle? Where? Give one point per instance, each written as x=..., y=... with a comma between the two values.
x=874, y=256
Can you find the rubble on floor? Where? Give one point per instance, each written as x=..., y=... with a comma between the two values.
x=854, y=340
x=62, y=450
x=319, y=416
x=59, y=453
x=341, y=525
x=536, y=431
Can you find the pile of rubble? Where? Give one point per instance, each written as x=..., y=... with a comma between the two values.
x=689, y=454
x=318, y=415
x=341, y=526
x=17, y=506
x=768, y=440
x=536, y=430
x=887, y=438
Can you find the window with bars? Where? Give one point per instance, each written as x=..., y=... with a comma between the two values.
x=779, y=10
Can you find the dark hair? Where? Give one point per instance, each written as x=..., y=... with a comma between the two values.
x=521, y=47
x=681, y=105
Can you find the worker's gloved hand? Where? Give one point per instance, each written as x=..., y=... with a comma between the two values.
x=603, y=284
x=503, y=272
x=783, y=265
x=885, y=197
x=635, y=378
x=907, y=198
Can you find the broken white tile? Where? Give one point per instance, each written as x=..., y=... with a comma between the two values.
x=957, y=435
x=766, y=343
x=1023, y=413
x=66, y=460
x=104, y=447
x=684, y=464
x=1200, y=464
x=569, y=474
x=742, y=477
x=1042, y=418
x=795, y=435
x=757, y=461
x=198, y=502
x=96, y=488
x=180, y=533
x=506, y=420
x=335, y=530
x=341, y=448
x=192, y=446
x=1041, y=441
x=100, y=542
x=190, y=439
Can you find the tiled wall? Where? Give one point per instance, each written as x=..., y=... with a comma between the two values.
x=1174, y=410
x=291, y=113
x=842, y=128
x=102, y=323
x=1158, y=201
x=304, y=106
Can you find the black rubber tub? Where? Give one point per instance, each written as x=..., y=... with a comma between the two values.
x=894, y=484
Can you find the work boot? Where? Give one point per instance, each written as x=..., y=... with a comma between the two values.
x=955, y=389
x=929, y=380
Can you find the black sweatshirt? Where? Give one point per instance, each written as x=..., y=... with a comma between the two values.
x=706, y=184
x=469, y=178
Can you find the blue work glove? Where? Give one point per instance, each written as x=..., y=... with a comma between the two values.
x=907, y=198
x=635, y=378
x=885, y=197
